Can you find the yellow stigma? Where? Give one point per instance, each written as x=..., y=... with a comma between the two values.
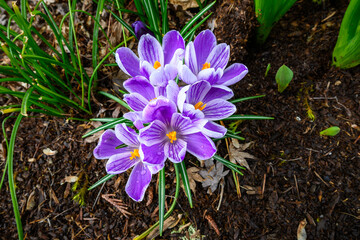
x=134, y=154
x=171, y=136
x=157, y=64
x=206, y=66
x=200, y=106
x=152, y=99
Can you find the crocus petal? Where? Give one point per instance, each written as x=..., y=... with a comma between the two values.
x=136, y=118
x=162, y=75
x=178, y=57
x=200, y=146
x=182, y=124
x=140, y=29
x=219, y=56
x=140, y=85
x=161, y=109
x=186, y=75
x=172, y=41
x=155, y=133
x=138, y=182
x=127, y=135
x=197, y=92
x=146, y=69
x=233, y=74
x=214, y=130
x=204, y=43
x=107, y=145
x=119, y=163
x=127, y=61
x=192, y=113
x=218, y=109
x=135, y=101
x=155, y=168
x=153, y=155
x=190, y=58
x=150, y=50
x=210, y=75
x=172, y=91
x=218, y=92
x=175, y=151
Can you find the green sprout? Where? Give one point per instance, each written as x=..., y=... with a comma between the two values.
x=267, y=69
x=331, y=131
x=283, y=77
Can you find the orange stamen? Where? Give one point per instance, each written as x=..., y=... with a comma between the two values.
x=200, y=106
x=206, y=66
x=157, y=64
x=134, y=154
x=172, y=136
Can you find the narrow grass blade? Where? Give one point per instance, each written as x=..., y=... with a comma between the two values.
x=7, y=147
x=105, y=126
x=161, y=200
x=116, y=99
x=197, y=17
x=10, y=159
x=25, y=101
x=229, y=164
x=246, y=98
x=234, y=136
x=100, y=7
x=164, y=16
x=247, y=117
x=123, y=23
x=101, y=181
x=185, y=180
x=192, y=31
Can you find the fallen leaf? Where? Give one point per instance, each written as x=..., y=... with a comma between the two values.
x=252, y=190
x=170, y=222
x=212, y=175
x=70, y=179
x=301, y=233
x=49, y=152
x=31, y=201
x=193, y=175
x=237, y=153
x=185, y=4
x=53, y=196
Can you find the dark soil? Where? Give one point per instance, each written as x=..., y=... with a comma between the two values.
x=297, y=174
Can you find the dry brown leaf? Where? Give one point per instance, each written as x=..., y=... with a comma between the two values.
x=252, y=190
x=237, y=155
x=49, y=152
x=193, y=175
x=185, y=4
x=53, y=196
x=170, y=222
x=70, y=179
x=94, y=137
x=31, y=201
x=301, y=233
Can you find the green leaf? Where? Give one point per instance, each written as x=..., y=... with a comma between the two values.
x=101, y=181
x=105, y=126
x=267, y=69
x=116, y=99
x=161, y=200
x=247, y=117
x=347, y=51
x=24, y=104
x=283, y=77
x=229, y=164
x=331, y=131
x=246, y=98
x=185, y=180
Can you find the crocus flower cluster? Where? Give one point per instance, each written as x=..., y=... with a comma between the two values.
x=170, y=120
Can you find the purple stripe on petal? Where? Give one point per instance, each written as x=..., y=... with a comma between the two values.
x=204, y=43
x=135, y=117
x=218, y=92
x=162, y=75
x=197, y=92
x=119, y=163
x=172, y=41
x=200, y=146
x=127, y=135
x=154, y=154
x=127, y=61
x=233, y=74
x=138, y=182
x=156, y=168
x=218, y=109
x=161, y=109
x=219, y=56
x=155, y=133
x=172, y=91
x=146, y=69
x=178, y=57
x=135, y=101
x=107, y=145
x=140, y=85
x=190, y=58
x=175, y=151
x=186, y=75
x=210, y=75
x=182, y=125
x=214, y=130
x=150, y=50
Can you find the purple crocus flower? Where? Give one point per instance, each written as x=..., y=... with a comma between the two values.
x=140, y=29
x=174, y=133
x=201, y=100
x=122, y=159
x=206, y=60
x=155, y=62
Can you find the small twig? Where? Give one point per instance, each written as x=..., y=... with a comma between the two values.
x=97, y=197
x=117, y=203
x=221, y=194
x=297, y=187
x=263, y=186
x=213, y=224
x=321, y=179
